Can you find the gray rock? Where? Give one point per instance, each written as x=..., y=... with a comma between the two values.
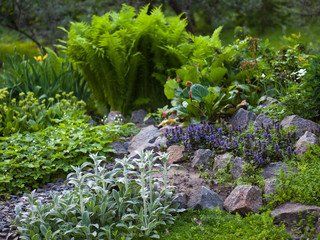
x=305, y=141
x=237, y=167
x=244, y=199
x=201, y=158
x=292, y=214
x=274, y=169
x=266, y=101
x=181, y=200
x=148, y=138
x=208, y=199
x=270, y=186
x=138, y=116
x=115, y=116
x=222, y=161
x=175, y=153
x=262, y=121
x=242, y=119
x=226, y=160
x=301, y=125
x=120, y=148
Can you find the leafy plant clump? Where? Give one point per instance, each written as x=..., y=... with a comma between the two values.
x=219, y=225
x=124, y=56
x=31, y=159
x=125, y=203
x=300, y=186
x=27, y=113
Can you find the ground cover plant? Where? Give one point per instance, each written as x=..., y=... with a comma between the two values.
x=29, y=160
x=125, y=203
x=216, y=224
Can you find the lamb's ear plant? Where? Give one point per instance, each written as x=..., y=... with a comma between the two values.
x=130, y=201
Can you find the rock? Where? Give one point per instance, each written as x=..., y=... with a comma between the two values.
x=120, y=148
x=266, y=101
x=270, y=186
x=150, y=121
x=301, y=125
x=305, y=141
x=291, y=214
x=138, y=116
x=181, y=200
x=115, y=116
x=262, y=121
x=149, y=138
x=227, y=160
x=274, y=169
x=244, y=199
x=208, y=199
x=175, y=153
x=242, y=118
x=201, y=158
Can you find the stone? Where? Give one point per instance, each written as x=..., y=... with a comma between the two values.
x=244, y=199
x=120, y=148
x=138, y=116
x=274, y=169
x=175, y=153
x=291, y=214
x=149, y=138
x=266, y=101
x=262, y=121
x=181, y=200
x=270, y=186
x=201, y=158
x=208, y=199
x=227, y=159
x=301, y=125
x=242, y=119
x=115, y=116
x=305, y=141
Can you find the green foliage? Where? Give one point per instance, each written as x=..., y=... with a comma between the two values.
x=125, y=203
x=31, y=159
x=45, y=76
x=124, y=55
x=30, y=114
x=301, y=186
x=219, y=225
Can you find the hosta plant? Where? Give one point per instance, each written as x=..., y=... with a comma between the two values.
x=130, y=201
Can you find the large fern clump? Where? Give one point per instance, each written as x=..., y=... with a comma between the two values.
x=125, y=55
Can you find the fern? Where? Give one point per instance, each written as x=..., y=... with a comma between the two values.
x=126, y=56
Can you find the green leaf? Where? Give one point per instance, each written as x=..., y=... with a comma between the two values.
x=198, y=92
x=170, y=88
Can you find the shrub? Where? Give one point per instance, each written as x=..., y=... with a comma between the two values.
x=17, y=47
x=216, y=224
x=31, y=159
x=124, y=56
x=30, y=114
x=125, y=203
x=301, y=186
x=45, y=76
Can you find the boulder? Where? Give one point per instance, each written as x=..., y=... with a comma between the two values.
x=208, y=199
x=149, y=138
x=120, y=148
x=262, y=121
x=138, y=116
x=274, y=169
x=242, y=119
x=270, y=186
x=175, y=153
x=244, y=199
x=300, y=125
x=227, y=159
x=181, y=200
x=115, y=116
x=201, y=158
x=305, y=141
x=291, y=214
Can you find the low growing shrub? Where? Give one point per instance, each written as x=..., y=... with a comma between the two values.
x=219, y=225
x=125, y=203
x=31, y=159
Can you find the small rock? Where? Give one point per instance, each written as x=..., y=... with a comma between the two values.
x=291, y=213
x=120, y=148
x=181, y=200
x=270, y=186
x=221, y=161
x=138, y=116
x=262, y=121
x=305, y=141
x=115, y=116
x=244, y=199
x=301, y=125
x=266, y=101
x=175, y=153
x=274, y=169
x=242, y=119
x=208, y=199
x=235, y=163
x=201, y=158
x=237, y=167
